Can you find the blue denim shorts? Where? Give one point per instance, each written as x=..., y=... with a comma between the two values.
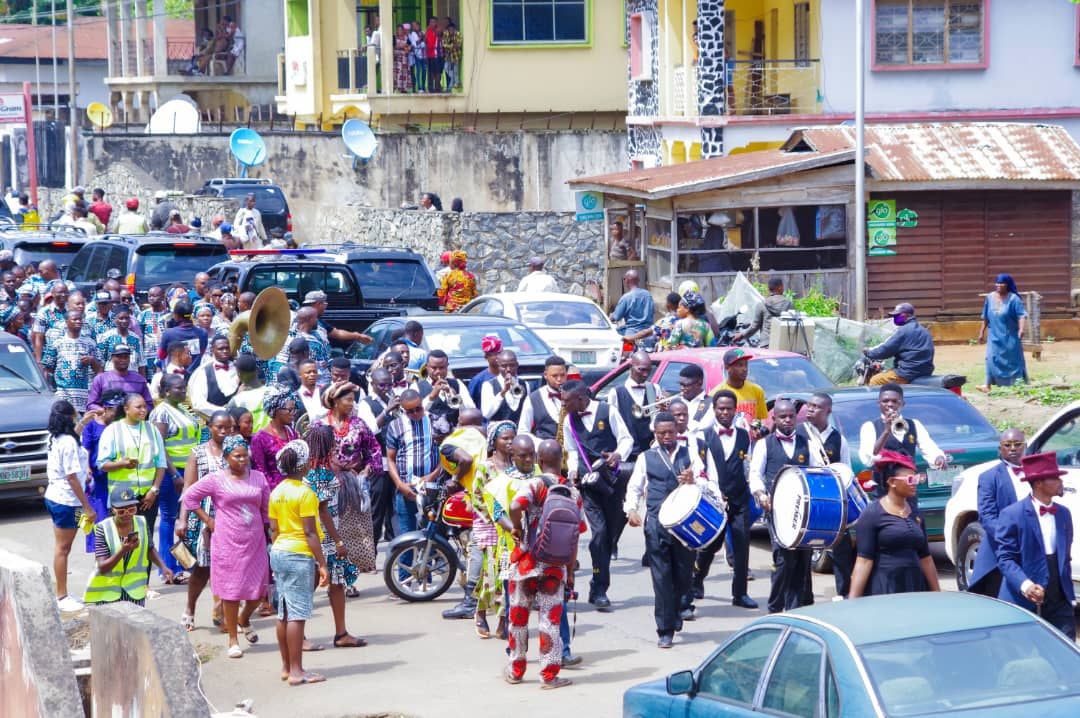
x=63, y=517
x=294, y=584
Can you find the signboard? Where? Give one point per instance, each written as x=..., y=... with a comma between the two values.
x=882, y=241
x=907, y=218
x=12, y=109
x=588, y=206
x=882, y=220
x=880, y=212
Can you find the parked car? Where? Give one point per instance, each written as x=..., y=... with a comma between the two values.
x=965, y=655
x=574, y=326
x=143, y=260
x=390, y=276
x=964, y=533
x=298, y=272
x=25, y=402
x=459, y=335
x=269, y=200
x=777, y=372
x=35, y=242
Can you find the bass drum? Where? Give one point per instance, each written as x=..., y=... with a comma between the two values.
x=808, y=507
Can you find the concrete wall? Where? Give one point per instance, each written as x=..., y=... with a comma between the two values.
x=36, y=677
x=263, y=25
x=491, y=172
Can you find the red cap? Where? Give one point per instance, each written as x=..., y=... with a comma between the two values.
x=887, y=457
x=132, y=203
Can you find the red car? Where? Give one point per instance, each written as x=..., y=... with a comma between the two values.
x=777, y=372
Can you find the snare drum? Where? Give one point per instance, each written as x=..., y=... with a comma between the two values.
x=691, y=518
x=808, y=507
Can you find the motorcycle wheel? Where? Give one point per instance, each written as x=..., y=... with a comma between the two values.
x=412, y=580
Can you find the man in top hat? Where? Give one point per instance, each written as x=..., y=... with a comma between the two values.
x=911, y=345
x=1035, y=536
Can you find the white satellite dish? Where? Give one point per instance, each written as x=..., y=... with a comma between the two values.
x=175, y=117
x=359, y=139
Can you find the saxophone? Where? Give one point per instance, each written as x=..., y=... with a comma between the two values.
x=559, y=436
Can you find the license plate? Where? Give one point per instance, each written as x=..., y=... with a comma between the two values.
x=11, y=474
x=941, y=477
x=583, y=357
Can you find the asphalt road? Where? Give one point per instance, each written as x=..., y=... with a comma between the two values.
x=417, y=664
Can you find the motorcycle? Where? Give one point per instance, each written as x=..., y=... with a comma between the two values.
x=728, y=328
x=421, y=565
x=866, y=368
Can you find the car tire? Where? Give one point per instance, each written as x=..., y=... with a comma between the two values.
x=970, y=538
x=821, y=561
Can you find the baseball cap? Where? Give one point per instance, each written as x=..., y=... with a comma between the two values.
x=315, y=296
x=121, y=349
x=113, y=273
x=903, y=308
x=122, y=496
x=196, y=222
x=733, y=355
x=102, y=297
x=132, y=203
x=174, y=213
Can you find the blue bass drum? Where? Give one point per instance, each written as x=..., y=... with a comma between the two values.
x=857, y=501
x=692, y=519
x=808, y=507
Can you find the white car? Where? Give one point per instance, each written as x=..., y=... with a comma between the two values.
x=963, y=533
x=573, y=326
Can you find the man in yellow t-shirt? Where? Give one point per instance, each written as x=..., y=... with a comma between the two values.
x=751, y=397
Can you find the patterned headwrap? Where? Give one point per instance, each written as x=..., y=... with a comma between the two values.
x=337, y=390
x=491, y=344
x=692, y=300
x=232, y=443
x=300, y=448
x=496, y=428
x=458, y=259
x=275, y=397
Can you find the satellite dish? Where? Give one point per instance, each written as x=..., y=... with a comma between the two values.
x=248, y=148
x=99, y=114
x=359, y=138
x=175, y=117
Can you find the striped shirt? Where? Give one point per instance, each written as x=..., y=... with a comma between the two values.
x=417, y=452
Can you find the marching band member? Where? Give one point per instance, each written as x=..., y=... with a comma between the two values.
x=437, y=390
x=540, y=415
x=728, y=447
x=657, y=473
x=377, y=410
x=497, y=401
x=595, y=435
x=692, y=389
x=638, y=391
x=394, y=362
x=889, y=432
x=678, y=409
x=783, y=447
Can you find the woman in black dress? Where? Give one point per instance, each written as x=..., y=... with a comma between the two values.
x=890, y=538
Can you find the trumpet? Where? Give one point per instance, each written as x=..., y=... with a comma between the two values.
x=421, y=373
x=451, y=397
x=640, y=412
x=899, y=425
x=517, y=390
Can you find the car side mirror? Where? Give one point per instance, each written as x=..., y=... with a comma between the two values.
x=681, y=683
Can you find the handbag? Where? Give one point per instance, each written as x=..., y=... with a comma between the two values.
x=182, y=555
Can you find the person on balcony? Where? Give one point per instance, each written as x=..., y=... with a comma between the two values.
x=433, y=53
x=402, y=76
x=236, y=46
x=451, y=46
x=417, y=61
x=203, y=53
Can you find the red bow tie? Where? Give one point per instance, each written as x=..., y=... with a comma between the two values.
x=177, y=371
x=309, y=392
x=553, y=395
x=1051, y=509
x=787, y=437
x=400, y=384
x=725, y=432
x=680, y=438
x=223, y=367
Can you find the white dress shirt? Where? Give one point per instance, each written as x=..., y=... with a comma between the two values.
x=926, y=447
x=707, y=419
x=1021, y=487
x=553, y=406
x=845, y=448
x=155, y=381
x=1048, y=528
x=462, y=391
x=704, y=477
x=758, y=456
x=257, y=237
x=624, y=443
x=637, y=392
x=491, y=400
x=538, y=282
x=227, y=381
x=312, y=403
x=367, y=415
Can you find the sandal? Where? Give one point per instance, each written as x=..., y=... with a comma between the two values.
x=510, y=678
x=500, y=629
x=235, y=651
x=482, y=628
x=555, y=683
x=265, y=610
x=357, y=642
x=307, y=678
x=187, y=621
x=249, y=634
x=179, y=579
x=312, y=647
x=352, y=592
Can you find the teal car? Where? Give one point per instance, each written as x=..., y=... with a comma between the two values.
x=966, y=655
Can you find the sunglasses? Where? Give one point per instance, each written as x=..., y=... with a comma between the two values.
x=912, y=479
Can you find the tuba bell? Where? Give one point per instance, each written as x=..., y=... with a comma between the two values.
x=266, y=324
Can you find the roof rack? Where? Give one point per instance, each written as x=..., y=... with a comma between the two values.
x=222, y=181
x=43, y=227
x=270, y=252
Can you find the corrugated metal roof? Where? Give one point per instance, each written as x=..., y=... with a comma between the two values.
x=945, y=152
x=20, y=40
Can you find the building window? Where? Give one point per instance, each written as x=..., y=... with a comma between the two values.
x=538, y=21
x=802, y=34
x=641, y=56
x=934, y=33
x=296, y=18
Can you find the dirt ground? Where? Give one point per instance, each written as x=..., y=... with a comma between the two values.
x=1058, y=368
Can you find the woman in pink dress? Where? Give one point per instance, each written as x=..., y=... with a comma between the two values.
x=240, y=569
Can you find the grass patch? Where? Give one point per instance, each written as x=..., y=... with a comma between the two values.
x=1049, y=394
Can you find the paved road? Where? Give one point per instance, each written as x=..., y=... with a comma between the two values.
x=418, y=664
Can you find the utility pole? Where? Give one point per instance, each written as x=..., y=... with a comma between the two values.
x=860, y=161
x=55, y=78
x=73, y=117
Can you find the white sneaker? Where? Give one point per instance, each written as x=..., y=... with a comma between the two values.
x=68, y=604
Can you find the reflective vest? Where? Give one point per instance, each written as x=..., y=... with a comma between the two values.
x=179, y=446
x=129, y=575
x=252, y=400
x=141, y=478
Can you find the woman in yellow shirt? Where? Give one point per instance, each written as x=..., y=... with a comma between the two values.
x=294, y=556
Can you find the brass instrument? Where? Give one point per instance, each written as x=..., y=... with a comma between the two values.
x=640, y=412
x=899, y=425
x=421, y=373
x=517, y=389
x=266, y=324
x=563, y=411
x=453, y=399
x=302, y=424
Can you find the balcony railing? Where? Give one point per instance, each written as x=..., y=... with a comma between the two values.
x=352, y=66
x=773, y=87
x=678, y=90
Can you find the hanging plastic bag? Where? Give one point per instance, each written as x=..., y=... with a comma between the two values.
x=830, y=222
x=742, y=301
x=787, y=234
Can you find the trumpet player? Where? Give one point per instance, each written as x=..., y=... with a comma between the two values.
x=394, y=363
x=692, y=390
x=504, y=396
x=540, y=415
x=638, y=391
x=445, y=396
x=893, y=432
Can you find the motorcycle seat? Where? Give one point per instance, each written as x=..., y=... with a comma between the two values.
x=943, y=381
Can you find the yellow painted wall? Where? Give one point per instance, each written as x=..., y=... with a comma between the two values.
x=676, y=48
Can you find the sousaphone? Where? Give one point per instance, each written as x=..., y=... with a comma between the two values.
x=266, y=324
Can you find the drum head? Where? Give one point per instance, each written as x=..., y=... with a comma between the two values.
x=844, y=472
x=678, y=505
x=789, y=506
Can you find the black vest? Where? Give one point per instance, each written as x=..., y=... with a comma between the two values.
x=377, y=406
x=731, y=470
x=661, y=480
x=907, y=446
x=214, y=395
x=594, y=442
x=776, y=458
x=640, y=429
x=832, y=444
x=544, y=424
x=504, y=412
x=438, y=406
x=702, y=409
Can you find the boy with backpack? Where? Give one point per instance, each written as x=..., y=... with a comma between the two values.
x=547, y=517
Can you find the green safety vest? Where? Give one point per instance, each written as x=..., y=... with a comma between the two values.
x=141, y=478
x=179, y=446
x=129, y=575
x=252, y=400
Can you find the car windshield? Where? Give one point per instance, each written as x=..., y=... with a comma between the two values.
x=582, y=315
x=164, y=263
x=267, y=199
x=59, y=250
x=17, y=369
x=786, y=374
x=463, y=342
x=392, y=278
x=968, y=670
x=948, y=418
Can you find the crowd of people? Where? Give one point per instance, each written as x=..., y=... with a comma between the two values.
x=425, y=59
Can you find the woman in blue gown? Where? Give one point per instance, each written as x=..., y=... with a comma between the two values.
x=1003, y=315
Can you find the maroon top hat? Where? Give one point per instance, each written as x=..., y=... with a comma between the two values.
x=1041, y=466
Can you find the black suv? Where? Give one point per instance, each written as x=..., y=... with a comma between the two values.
x=144, y=260
x=35, y=242
x=269, y=200
x=390, y=275
x=25, y=402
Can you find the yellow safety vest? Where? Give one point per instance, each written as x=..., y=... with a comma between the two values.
x=141, y=478
x=252, y=400
x=179, y=446
x=129, y=575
